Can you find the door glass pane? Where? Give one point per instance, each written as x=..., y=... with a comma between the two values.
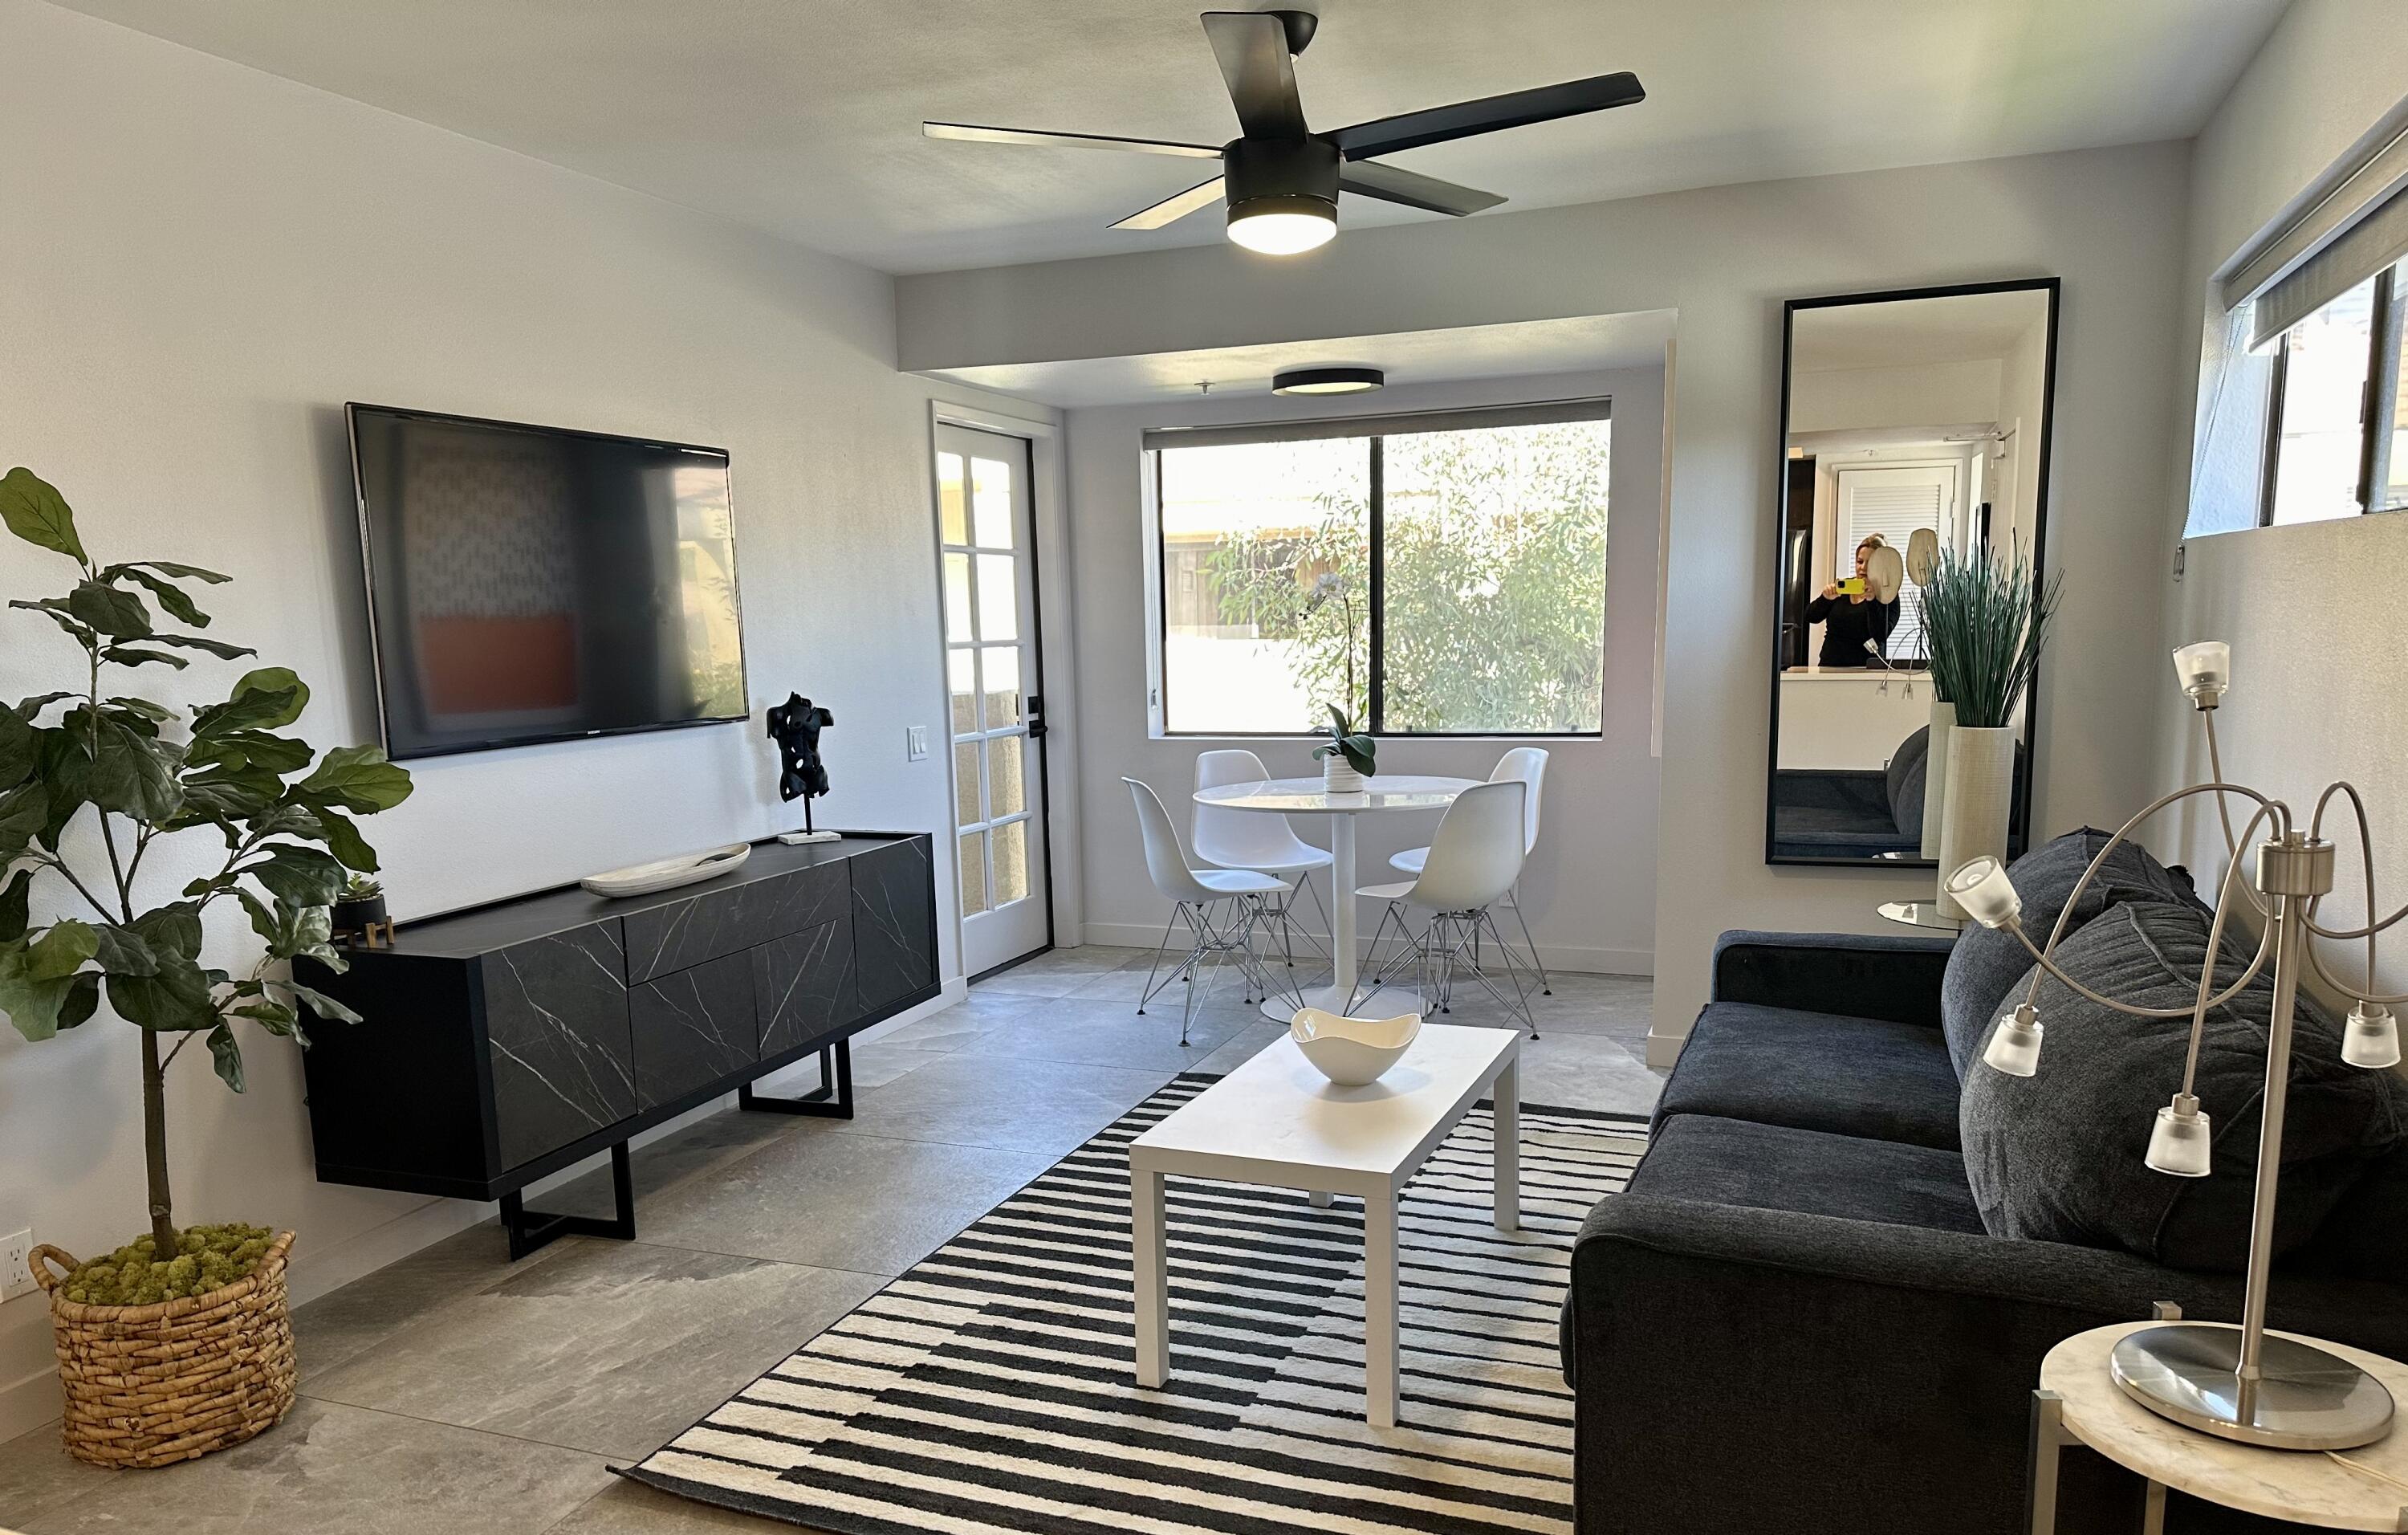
x=1493, y=601
x=1002, y=664
x=990, y=502
x=2325, y=358
x=957, y=597
x=973, y=851
x=1011, y=862
x=1266, y=584
x=998, y=597
x=961, y=680
x=966, y=784
x=948, y=499
x=1006, y=788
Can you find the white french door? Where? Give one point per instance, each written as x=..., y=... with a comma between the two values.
x=991, y=677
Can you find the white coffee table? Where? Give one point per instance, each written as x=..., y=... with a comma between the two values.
x=1277, y=1121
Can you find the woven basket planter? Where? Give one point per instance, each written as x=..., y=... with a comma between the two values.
x=149, y=1385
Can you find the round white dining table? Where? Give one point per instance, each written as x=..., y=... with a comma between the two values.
x=1385, y=794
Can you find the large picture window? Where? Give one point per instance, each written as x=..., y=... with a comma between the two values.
x=1430, y=575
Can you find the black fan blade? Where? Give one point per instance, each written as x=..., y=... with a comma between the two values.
x=1370, y=178
x=1171, y=209
x=1066, y=141
x=1515, y=110
x=1251, y=48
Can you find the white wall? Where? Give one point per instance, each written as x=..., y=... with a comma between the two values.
x=204, y=263
x=1589, y=891
x=2108, y=222
x=2312, y=610
x=1841, y=399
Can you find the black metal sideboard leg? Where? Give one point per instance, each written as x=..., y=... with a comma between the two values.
x=831, y=1099
x=529, y=1229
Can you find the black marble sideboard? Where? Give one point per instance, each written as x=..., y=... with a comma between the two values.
x=507, y=1042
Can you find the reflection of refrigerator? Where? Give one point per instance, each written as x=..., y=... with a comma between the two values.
x=1796, y=560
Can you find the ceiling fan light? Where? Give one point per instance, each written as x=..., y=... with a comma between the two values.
x=1327, y=380
x=1283, y=226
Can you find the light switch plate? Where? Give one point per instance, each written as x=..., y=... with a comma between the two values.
x=15, y=1278
x=915, y=742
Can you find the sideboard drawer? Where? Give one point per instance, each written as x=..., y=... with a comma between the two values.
x=693, y=1028
x=721, y=920
x=556, y=1032
x=894, y=920
x=803, y=986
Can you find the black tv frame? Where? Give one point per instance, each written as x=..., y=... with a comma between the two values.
x=351, y=410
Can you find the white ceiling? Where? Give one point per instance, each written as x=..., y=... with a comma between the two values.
x=1903, y=333
x=1524, y=348
x=801, y=117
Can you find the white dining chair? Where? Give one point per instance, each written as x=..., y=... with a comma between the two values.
x=1526, y=765
x=1267, y=844
x=1472, y=864
x=1197, y=896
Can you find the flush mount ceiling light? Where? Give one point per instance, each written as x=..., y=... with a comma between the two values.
x=1279, y=179
x=1327, y=380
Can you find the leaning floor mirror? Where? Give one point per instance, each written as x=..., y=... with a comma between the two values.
x=1911, y=422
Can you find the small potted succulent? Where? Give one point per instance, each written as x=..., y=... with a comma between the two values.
x=1349, y=759
x=360, y=910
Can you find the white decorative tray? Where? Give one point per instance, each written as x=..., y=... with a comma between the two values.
x=669, y=873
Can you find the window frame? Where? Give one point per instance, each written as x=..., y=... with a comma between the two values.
x=1375, y=430
x=2378, y=406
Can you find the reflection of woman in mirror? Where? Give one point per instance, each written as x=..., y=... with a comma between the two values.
x=1850, y=619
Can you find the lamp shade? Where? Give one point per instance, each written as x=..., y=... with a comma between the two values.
x=1983, y=889
x=2205, y=670
x=2178, y=1142
x=2371, y=1040
x=2013, y=1048
x=1283, y=226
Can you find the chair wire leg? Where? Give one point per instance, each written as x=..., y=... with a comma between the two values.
x=1547, y=985
x=1159, y=949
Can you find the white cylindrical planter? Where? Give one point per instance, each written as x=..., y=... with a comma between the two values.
x=1935, y=774
x=1339, y=776
x=1980, y=792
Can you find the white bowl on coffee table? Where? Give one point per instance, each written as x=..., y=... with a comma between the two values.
x=1353, y=1052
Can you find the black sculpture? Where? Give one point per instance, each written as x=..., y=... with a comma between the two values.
x=795, y=726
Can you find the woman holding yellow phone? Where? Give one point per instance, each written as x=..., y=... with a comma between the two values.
x=1852, y=613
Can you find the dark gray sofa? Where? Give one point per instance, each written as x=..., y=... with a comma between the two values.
x=1795, y=1318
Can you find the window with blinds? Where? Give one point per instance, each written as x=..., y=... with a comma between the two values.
x=1893, y=501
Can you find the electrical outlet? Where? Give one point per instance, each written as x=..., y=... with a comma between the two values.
x=15, y=1278
x=915, y=742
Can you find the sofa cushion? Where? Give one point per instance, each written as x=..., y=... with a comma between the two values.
x=1816, y=1071
x=1908, y=767
x=1807, y=1172
x=2058, y=1156
x=1987, y=965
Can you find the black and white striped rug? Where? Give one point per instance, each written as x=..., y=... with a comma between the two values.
x=991, y=1387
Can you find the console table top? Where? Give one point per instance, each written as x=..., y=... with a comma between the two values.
x=481, y=929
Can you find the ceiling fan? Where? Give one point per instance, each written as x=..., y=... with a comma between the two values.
x=1279, y=179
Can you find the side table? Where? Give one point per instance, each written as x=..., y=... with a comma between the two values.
x=2079, y=1403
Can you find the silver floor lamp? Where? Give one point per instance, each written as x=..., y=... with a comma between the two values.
x=2235, y=1382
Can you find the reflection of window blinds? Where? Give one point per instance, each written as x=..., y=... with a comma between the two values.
x=1894, y=502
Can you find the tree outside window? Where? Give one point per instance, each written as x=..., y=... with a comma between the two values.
x=1487, y=615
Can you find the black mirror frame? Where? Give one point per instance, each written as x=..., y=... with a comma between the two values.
x=2029, y=756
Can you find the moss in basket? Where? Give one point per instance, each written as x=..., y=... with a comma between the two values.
x=207, y=1257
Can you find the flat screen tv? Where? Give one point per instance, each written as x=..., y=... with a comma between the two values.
x=533, y=584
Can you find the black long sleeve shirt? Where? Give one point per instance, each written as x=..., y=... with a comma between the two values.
x=1848, y=624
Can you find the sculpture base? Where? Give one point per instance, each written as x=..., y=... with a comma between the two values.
x=2306, y=1399
x=796, y=838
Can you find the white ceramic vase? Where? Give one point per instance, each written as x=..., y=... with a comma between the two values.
x=1339, y=776
x=1935, y=775
x=1980, y=792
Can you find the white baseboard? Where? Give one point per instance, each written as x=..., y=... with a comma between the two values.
x=28, y=1403
x=1663, y=1050
x=1572, y=958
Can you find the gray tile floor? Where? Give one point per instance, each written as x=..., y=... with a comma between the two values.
x=457, y=1391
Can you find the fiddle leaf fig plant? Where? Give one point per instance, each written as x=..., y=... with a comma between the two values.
x=1357, y=747
x=94, y=777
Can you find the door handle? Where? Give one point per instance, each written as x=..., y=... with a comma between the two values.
x=1036, y=717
